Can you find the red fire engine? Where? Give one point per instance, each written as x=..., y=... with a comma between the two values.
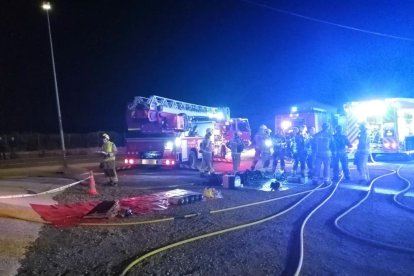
x=163, y=131
x=310, y=114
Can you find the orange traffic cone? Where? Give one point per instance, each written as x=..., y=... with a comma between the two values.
x=92, y=188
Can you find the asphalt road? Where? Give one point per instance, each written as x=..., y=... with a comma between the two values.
x=30, y=176
x=16, y=235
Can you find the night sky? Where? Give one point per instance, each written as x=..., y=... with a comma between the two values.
x=251, y=57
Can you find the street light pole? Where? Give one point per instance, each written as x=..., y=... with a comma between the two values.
x=46, y=6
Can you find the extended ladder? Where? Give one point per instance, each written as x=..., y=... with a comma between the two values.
x=158, y=103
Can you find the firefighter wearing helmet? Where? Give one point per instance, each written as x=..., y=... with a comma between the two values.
x=324, y=146
x=259, y=140
x=362, y=154
x=236, y=146
x=109, y=151
x=340, y=156
x=298, y=148
x=206, y=149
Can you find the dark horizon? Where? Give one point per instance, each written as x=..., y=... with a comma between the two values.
x=249, y=57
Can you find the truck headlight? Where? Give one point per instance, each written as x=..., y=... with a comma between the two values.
x=169, y=145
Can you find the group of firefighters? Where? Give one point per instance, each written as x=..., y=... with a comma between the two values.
x=312, y=153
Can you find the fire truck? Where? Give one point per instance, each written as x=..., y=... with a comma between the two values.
x=310, y=114
x=168, y=132
x=389, y=123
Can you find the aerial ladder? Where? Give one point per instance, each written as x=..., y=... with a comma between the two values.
x=161, y=104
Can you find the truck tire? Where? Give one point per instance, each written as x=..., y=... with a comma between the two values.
x=192, y=160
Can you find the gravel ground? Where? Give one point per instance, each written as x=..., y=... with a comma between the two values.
x=270, y=248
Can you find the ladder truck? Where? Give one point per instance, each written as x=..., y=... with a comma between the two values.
x=167, y=132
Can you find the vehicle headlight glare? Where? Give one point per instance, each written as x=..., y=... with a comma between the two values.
x=169, y=145
x=177, y=142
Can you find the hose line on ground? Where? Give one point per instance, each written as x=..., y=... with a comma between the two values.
x=242, y=226
x=395, y=198
x=371, y=241
x=302, y=228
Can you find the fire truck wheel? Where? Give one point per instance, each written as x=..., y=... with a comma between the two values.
x=192, y=159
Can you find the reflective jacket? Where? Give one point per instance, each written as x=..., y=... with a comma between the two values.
x=323, y=143
x=110, y=149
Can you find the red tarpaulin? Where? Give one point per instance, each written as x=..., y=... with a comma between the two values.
x=73, y=214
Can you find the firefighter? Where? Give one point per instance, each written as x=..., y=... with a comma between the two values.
x=236, y=146
x=340, y=155
x=362, y=154
x=109, y=151
x=323, y=144
x=279, y=150
x=267, y=149
x=299, y=152
x=206, y=149
x=310, y=158
x=258, y=145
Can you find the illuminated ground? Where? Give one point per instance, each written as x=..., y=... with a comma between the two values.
x=270, y=248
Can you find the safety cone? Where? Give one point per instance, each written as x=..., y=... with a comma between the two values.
x=92, y=188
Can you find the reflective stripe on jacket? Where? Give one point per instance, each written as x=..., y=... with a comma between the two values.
x=323, y=142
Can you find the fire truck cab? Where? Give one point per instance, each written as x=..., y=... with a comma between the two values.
x=167, y=132
x=309, y=114
x=389, y=122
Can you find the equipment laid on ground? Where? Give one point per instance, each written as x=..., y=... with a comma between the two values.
x=105, y=209
x=275, y=185
x=231, y=181
x=213, y=179
x=182, y=197
x=254, y=178
x=167, y=132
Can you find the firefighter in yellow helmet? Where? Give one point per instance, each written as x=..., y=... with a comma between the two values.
x=109, y=151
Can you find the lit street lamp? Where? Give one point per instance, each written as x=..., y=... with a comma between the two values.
x=46, y=6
